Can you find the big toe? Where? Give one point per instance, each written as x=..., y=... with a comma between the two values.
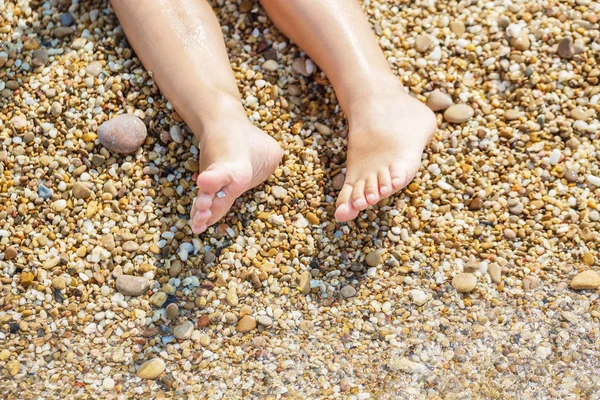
x=214, y=178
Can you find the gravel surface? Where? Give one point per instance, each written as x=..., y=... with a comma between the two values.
x=477, y=281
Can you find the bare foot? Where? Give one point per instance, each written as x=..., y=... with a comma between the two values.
x=387, y=136
x=235, y=156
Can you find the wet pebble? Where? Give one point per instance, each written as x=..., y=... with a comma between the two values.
x=438, y=100
x=458, y=113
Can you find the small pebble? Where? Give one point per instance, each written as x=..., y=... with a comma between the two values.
x=270, y=65
x=184, y=330
x=10, y=253
x=264, y=320
x=586, y=280
x=81, y=191
x=438, y=100
x=246, y=324
x=58, y=283
x=130, y=285
x=66, y=19
x=374, y=258
x=566, y=48
x=418, y=297
x=423, y=43
x=12, y=367
x=348, y=291
x=464, y=282
x=495, y=272
x=151, y=369
x=172, y=311
x=458, y=113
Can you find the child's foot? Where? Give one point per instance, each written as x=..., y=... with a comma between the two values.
x=235, y=156
x=387, y=136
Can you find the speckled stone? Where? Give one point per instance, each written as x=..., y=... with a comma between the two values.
x=130, y=285
x=122, y=134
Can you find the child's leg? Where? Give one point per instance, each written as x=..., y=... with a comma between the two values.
x=388, y=128
x=181, y=42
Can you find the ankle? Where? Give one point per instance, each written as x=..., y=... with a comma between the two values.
x=221, y=108
x=375, y=95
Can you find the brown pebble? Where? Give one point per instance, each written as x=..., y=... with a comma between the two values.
x=172, y=311
x=438, y=100
x=566, y=48
x=203, y=321
x=338, y=181
x=246, y=324
x=81, y=191
x=10, y=253
x=458, y=113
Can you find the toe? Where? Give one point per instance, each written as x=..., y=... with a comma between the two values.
x=204, y=201
x=372, y=190
x=399, y=176
x=344, y=196
x=345, y=211
x=358, y=196
x=199, y=229
x=214, y=179
x=200, y=217
x=385, y=182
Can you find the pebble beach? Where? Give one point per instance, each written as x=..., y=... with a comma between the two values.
x=479, y=280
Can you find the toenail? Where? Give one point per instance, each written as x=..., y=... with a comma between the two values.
x=383, y=189
x=360, y=203
x=343, y=207
x=220, y=194
x=396, y=181
x=371, y=197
